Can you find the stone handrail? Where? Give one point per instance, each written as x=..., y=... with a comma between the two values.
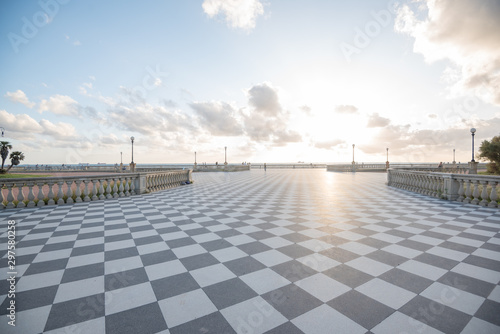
x=41, y=191
x=221, y=167
x=288, y=166
x=474, y=189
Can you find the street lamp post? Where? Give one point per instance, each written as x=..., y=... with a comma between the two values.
x=121, y=158
x=387, y=162
x=473, y=163
x=473, y=132
x=195, y=159
x=225, y=155
x=132, y=164
x=454, y=162
x=353, y=154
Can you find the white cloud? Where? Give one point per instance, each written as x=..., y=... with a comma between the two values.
x=238, y=13
x=377, y=121
x=218, y=118
x=264, y=98
x=346, y=109
x=328, y=145
x=20, y=97
x=60, y=105
x=60, y=130
x=464, y=32
x=19, y=123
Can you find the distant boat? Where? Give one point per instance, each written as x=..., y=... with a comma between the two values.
x=300, y=162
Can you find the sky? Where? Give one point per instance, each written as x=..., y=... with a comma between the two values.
x=271, y=80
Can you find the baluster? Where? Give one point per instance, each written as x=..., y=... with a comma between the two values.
x=50, y=194
x=68, y=192
x=86, y=197
x=31, y=195
x=115, y=189
x=101, y=190
x=461, y=190
x=40, y=195
x=476, y=192
x=60, y=194
x=78, y=191
x=94, y=190
x=121, y=188
x=437, y=186
x=493, y=194
x=108, y=189
x=127, y=188
x=484, y=193
x=20, y=197
x=10, y=196
x=132, y=185
x=468, y=192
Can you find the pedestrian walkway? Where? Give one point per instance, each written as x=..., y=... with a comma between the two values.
x=277, y=251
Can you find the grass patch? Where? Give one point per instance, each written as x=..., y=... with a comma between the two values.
x=21, y=176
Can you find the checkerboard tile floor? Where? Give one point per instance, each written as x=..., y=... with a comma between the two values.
x=282, y=251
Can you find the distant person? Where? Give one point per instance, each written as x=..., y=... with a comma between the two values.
x=440, y=165
x=265, y=166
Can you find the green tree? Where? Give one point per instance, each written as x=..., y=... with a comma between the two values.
x=5, y=146
x=15, y=158
x=490, y=150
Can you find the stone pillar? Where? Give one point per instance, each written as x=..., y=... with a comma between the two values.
x=132, y=167
x=140, y=184
x=451, y=188
x=473, y=167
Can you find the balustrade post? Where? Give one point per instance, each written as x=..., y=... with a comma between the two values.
x=20, y=196
x=101, y=189
x=10, y=197
x=50, y=194
x=31, y=195
x=115, y=189
x=484, y=193
x=493, y=195
x=108, y=189
x=476, y=192
x=40, y=195
x=127, y=187
x=121, y=188
x=78, y=192
x=60, y=193
x=86, y=197
x=468, y=192
x=461, y=190
x=451, y=188
x=94, y=190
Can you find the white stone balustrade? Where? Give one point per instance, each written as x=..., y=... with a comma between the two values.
x=474, y=189
x=31, y=192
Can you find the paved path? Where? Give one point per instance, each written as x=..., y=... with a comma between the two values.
x=282, y=251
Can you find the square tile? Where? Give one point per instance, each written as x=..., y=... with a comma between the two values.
x=322, y=287
x=212, y=274
x=453, y=297
x=291, y=301
x=323, y=318
x=165, y=269
x=369, y=266
x=253, y=316
x=229, y=292
x=189, y=306
x=122, y=299
x=386, y=293
x=318, y=262
x=271, y=258
x=264, y=280
x=228, y=254
x=173, y=285
x=143, y=319
x=365, y=311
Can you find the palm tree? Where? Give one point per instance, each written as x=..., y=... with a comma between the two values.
x=15, y=159
x=5, y=146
